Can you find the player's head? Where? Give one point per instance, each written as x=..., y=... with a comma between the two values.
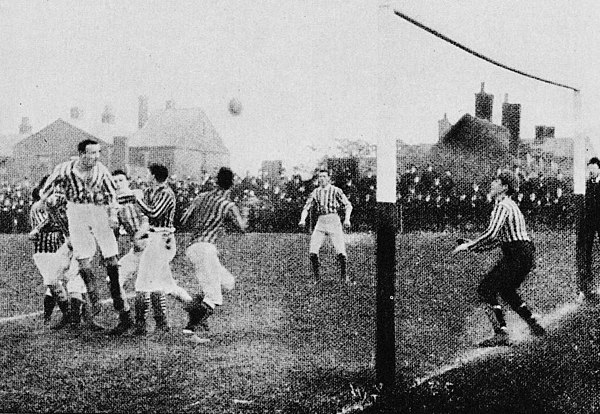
x=89, y=152
x=35, y=193
x=225, y=178
x=158, y=172
x=323, y=177
x=121, y=180
x=504, y=183
x=593, y=167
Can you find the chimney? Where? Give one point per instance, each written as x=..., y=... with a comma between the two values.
x=76, y=113
x=25, y=127
x=107, y=116
x=484, y=104
x=443, y=127
x=170, y=104
x=511, y=119
x=142, y=111
x=120, y=154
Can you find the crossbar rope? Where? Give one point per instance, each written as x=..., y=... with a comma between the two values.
x=479, y=55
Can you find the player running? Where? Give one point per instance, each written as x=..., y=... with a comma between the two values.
x=205, y=217
x=506, y=229
x=328, y=200
x=155, y=278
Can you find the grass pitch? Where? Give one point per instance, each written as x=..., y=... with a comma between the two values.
x=279, y=344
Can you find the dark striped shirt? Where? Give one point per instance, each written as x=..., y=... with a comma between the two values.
x=158, y=204
x=507, y=224
x=129, y=213
x=96, y=187
x=328, y=200
x=50, y=237
x=206, y=214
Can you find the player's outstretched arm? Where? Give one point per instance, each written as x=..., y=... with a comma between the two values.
x=303, y=217
x=240, y=221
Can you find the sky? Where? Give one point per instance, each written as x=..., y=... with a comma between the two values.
x=307, y=73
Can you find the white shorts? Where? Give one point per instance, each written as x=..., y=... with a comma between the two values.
x=75, y=283
x=211, y=274
x=328, y=225
x=88, y=225
x=154, y=270
x=53, y=266
x=128, y=265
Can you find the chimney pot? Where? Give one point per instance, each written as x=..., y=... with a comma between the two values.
x=142, y=111
x=107, y=116
x=25, y=127
x=75, y=112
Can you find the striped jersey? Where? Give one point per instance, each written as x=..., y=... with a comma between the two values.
x=206, y=214
x=50, y=236
x=328, y=200
x=158, y=204
x=55, y=217
x=96, y=187
x=507, y=224
x=129, y=213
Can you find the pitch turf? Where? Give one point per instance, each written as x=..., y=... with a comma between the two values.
x=279, y=343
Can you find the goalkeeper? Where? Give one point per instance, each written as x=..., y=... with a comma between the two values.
x=507, y=229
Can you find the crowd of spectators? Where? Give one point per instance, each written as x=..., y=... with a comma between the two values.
x=431, y=201
x=427, y=200
x=15, y=200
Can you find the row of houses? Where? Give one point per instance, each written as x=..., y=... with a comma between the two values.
x=183, y=139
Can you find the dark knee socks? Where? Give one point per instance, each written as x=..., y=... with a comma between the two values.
x=115, y=288
x=342, y=263
x=314, y=261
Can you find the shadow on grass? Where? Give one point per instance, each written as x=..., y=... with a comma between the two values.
x=557, y=374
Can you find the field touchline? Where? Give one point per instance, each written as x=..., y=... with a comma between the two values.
x=34, y=314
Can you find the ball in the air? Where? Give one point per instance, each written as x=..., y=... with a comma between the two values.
x=235, y=107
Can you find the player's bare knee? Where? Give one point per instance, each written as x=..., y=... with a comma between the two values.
x=85, y=263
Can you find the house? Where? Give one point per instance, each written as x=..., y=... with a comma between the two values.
x=38, y=154
x=472, y=150
x=183, y=139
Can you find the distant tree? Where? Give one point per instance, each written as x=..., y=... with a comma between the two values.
x=354, y=148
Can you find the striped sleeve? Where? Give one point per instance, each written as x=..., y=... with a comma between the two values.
x=48, y=188
x=38, y=217
x=161, y=204
x=188, y=212
x=489, y=238
x=341, y=198
x=108, y=185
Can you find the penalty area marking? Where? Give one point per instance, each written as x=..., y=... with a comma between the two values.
x=34, y=314
x=476, y=354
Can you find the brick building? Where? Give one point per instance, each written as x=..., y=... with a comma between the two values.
x=183, y=139
x=38, y=154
